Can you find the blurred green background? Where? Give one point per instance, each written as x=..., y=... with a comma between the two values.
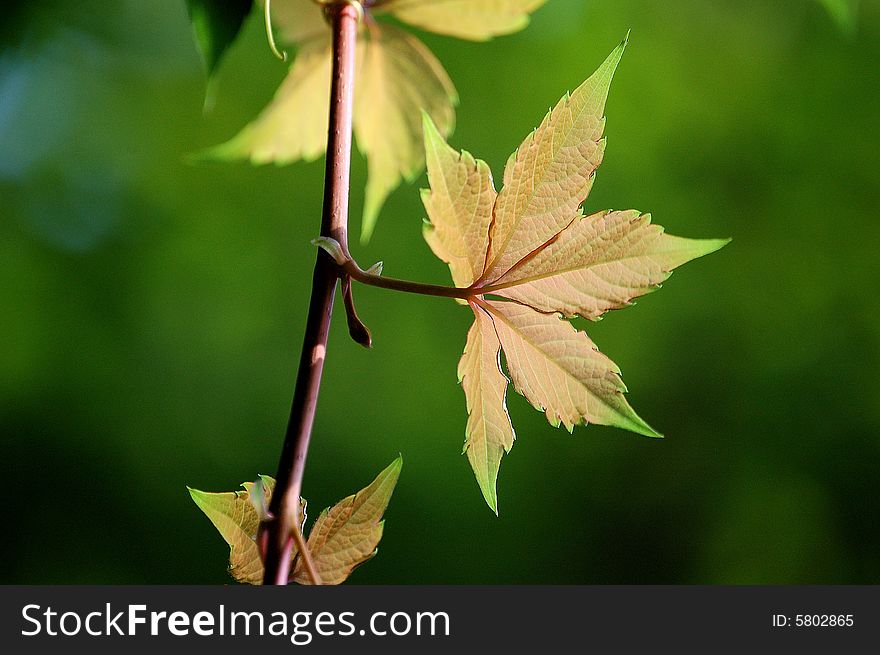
x=151, y=312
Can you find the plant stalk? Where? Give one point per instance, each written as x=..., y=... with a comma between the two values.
x=285, y=504
x=405, y=286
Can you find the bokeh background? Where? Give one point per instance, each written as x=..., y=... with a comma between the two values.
x=151, y=311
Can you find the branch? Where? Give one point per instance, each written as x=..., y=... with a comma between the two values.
x=354, y=271
x=344, y=18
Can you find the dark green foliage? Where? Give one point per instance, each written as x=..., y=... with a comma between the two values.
x=216, y=24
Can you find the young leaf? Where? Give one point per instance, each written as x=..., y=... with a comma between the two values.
x=551, y=173
x=236, y=518
x=598, y=263
x=273, y=136
x=346, y=535
x=215, y=24
x=398, y=77
x=459, y=205
x=489, y=433
x=532, y=246
x=561, y=371
x=477, y=20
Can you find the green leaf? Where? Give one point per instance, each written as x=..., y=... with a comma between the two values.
x=216, y=24
x=237, y=519
x=346, y=535
x=531, y=245
x=489, y=433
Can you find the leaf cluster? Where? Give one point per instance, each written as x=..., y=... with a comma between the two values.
x=343, y=536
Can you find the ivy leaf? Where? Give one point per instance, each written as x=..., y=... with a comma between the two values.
x=477, y=20
x=236, y=517
x=397, y=77
x=216, y=24
x=531, y=246
x=346, y=535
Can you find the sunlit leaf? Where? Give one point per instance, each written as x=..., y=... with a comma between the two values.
x=397, y=79
x=532, y=245
x=346, y=535
x=598, y=263
x=489, y=433
x=477, y=20
x=560, y=370
x=275, y=136
x=551, y=173
x=236, y=518
x=459, y=204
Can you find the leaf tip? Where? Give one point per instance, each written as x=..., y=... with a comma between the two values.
x=429, y=129
x=490, y=493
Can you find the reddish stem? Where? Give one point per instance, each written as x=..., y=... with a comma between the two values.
x=285, y=505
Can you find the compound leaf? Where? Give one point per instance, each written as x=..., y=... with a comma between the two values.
x=551, y=173
x=397, y=78
x=532, y=246
x=273, y=136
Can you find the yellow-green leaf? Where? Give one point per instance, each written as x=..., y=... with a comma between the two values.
x=551, y=173
x=296, y=21
x=236, y=518
x=397, y=79
x=545, y=256
x=294, y=125
x=560, y=371
x=489, y=433
x=459, y=205
x=347, y=534
x=477, y=20
x=598, y=263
